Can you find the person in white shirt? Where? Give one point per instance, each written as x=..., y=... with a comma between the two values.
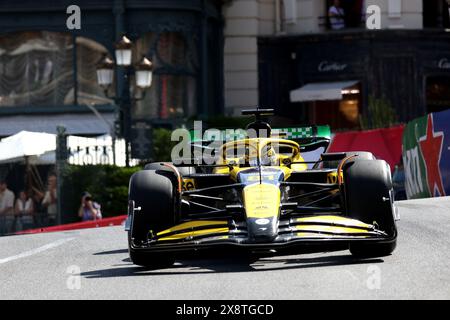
x=23, y=212
x=336, y=14
x=50, y=200
x=6, y=208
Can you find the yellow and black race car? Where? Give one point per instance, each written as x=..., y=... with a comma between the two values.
x=260, y=196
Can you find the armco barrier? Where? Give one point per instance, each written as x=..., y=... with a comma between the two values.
x=115, y=221
x=385, y=143
x=426, y=156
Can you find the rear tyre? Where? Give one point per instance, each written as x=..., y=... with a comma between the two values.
x=369, y=198
x=155, y=194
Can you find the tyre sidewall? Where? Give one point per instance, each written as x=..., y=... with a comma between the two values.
x=368, y=193
x=154, y=193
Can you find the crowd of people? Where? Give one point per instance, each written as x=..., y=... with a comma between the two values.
x=31, y=208
x=35, y=209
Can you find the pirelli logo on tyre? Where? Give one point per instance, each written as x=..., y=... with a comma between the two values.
x=188, y=184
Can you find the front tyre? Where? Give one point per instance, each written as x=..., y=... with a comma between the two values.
x=149, y=260
x=155, y=194
x=369, y=198
x=373, y=250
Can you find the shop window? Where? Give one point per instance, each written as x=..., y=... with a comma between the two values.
x=174, y=90
x=436, y=14
x=339, y=114
x=36, y=68
x=88, y=54
x=438, y=94
x=341, y=14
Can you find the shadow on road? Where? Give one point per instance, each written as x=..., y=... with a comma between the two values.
x=111, y=252
x=229, y=265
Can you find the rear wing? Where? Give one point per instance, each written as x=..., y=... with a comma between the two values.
x=301, y=135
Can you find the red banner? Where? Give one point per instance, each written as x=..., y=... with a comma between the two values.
x=108, y=222
x=385, y=143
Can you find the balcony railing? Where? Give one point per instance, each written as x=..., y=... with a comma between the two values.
x=324, y=22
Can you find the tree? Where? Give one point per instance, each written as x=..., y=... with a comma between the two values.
x=380, y=114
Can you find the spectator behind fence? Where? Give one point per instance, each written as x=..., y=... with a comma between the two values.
x=37, y=196
x=50, y=200
x=89, y=209
x=23, y=212
x=337, y=16
x=6, y=208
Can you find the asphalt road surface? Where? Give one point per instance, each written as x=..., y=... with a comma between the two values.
x=94, y=264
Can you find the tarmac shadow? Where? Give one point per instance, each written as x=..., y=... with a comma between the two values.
x=230, y=265
x=111, y=252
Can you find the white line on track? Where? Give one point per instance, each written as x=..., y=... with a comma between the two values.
x=25, y=254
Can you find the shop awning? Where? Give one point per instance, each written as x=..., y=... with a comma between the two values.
x=75, y=124
x=321, y=91
x=26, y=144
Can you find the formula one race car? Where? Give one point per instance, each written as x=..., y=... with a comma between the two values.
x=260, y=196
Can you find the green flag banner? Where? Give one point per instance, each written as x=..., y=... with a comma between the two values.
x=426, y=156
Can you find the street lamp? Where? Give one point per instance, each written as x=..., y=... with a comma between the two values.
x=123, y=51
x=143, y=72
x=105, y=72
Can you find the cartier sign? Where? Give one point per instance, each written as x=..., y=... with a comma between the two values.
x=328, y=66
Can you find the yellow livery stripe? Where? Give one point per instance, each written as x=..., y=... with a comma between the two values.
x=321, y=236
x=192, y=224
x=184, y=235
x=336, y=219
x=333, y=229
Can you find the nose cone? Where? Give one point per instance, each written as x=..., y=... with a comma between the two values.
x=262, y=230
x=262, y=207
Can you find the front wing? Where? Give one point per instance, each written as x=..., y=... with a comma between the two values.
x=313, y=233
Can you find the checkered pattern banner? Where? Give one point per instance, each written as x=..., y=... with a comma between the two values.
x=294, y=133
x=239, y=134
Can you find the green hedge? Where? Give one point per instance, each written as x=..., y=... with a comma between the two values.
x=162, y=144
x=380, y=114
x=107, y=184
